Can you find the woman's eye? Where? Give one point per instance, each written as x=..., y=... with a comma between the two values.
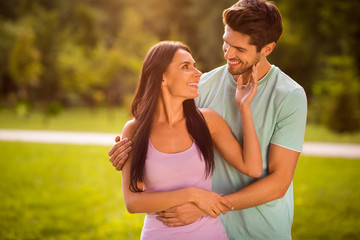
x=185, y=67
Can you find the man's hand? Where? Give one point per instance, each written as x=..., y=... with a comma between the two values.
x=119, y=153
x=181, y=215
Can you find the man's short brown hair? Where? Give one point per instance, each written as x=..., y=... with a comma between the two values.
x=259, y=19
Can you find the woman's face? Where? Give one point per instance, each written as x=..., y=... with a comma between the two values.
x=181, y=77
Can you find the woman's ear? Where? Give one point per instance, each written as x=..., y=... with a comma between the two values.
x=163, y=81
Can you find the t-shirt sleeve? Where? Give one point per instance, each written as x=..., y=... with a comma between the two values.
x=198, y=101
x=203, y=91
x=291, y=121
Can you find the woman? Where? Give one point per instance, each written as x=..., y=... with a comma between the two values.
x=172, y=158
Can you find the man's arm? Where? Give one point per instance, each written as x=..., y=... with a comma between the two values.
x=282, y=165
x=282, y=161
x=181, y=215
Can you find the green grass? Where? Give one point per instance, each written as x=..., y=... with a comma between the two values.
x=62, y=192
x=73, y=119
x=326, y=195
x=71, y=192
x=102, y=120
x=317, y=133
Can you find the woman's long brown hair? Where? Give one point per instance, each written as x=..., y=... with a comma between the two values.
x=144, y=105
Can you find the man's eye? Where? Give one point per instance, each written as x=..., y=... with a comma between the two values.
x=185, y=67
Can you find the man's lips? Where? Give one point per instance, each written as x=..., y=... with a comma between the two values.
x=233, y=62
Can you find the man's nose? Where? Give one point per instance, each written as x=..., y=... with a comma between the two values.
x=228, y=53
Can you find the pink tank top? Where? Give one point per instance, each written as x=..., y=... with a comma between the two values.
x=171, y=171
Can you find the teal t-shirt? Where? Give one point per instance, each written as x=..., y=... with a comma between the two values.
x=279, y=113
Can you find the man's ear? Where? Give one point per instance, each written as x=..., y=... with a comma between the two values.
x=268, y=48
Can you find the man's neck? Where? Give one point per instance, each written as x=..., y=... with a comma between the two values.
x=262, y=69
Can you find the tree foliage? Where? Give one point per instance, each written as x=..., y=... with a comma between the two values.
x=88, y=52
x=336, y=98
x=325, y=58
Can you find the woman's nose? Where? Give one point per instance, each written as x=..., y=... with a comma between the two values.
x=198, y=73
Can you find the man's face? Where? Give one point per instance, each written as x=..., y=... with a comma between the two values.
x=240, y=55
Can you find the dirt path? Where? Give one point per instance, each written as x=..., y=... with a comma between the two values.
x=351, y=151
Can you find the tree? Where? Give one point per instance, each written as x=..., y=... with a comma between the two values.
x=323, y=29
x=24, y=61
x=336, y=101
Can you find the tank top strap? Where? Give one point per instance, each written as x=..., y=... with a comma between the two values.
x=191, y=148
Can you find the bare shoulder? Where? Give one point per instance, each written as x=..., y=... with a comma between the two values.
x=213, y=120
x=129, y=129
x=209, y=114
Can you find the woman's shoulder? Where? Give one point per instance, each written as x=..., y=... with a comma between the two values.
x=212, y=119
x=129, y=128
x=208, y=113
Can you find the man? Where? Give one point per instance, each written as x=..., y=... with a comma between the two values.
x=263, y=206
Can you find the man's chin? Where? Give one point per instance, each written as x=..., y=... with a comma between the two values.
x=232, y=71
x=237, y=72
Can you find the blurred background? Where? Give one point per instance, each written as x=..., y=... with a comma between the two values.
x=74, y=66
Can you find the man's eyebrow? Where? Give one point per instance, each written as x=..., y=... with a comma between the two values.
x=237, y=47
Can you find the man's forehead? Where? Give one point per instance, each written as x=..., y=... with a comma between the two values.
x=236, y=39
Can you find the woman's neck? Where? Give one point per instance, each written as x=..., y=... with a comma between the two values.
x=169, y=111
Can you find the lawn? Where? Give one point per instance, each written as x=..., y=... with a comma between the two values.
x=317, y=133
x=326, y=195
x=103, y=120
x=62, y=192
x=50, y=191
x=72, y=119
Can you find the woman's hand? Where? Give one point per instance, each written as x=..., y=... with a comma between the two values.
x=210, y=202
x=244, y=96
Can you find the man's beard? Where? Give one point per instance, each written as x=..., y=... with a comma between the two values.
x=241, y=71
x=247, y=70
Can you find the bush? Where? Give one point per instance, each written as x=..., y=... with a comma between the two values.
x=337, y=95
x=53, y=109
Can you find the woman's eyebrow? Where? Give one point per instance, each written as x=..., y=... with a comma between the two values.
x=186, y=62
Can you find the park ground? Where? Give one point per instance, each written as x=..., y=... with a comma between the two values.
x=67, y=190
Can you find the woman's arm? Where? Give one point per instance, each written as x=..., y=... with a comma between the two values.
x=145, y=202
x=246, y=158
